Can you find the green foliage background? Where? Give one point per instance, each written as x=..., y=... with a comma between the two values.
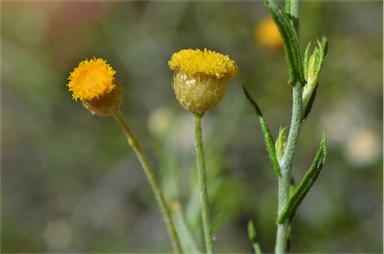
x=70, y=183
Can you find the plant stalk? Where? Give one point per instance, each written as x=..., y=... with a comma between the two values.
x=283, y=230
x=203, y=184
x=132, y=141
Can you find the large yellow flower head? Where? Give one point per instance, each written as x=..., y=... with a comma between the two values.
x=93, y=83
x=200, y=78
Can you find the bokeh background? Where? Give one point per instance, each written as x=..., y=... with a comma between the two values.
x=70, y=183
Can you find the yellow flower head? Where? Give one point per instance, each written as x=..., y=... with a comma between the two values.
x=91, y=79
x=93, y=83
x=267, y=34
x=200, y=78
x=203, y=62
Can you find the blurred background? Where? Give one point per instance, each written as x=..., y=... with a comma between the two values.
x=70, y=182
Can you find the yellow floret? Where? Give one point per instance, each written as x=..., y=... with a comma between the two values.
x=203, y=62
x=91, y=79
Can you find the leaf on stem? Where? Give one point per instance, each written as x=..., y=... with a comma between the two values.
x=310, y=103
x=323, y=48
x=281, y=142
x=306, y=59
x=313, y=65
x=269, y=141
x=253, y=238
x=290, y=42
x=305, y=185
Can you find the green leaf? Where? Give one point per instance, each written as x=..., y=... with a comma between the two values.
x=292, y=187
x=281, y=141
x=290, y=41
x=253, y=238
x=306, y=60
x=310, y=104
x=324, y=45
x=323, y=48
x=187, y=241
x=305, y=185
x=313, y=65
x=269, y=141
x=287, y=6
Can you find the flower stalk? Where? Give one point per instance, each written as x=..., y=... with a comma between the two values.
x=132, y=141
x=94, y=84
x=200, y=82
x=203, y=184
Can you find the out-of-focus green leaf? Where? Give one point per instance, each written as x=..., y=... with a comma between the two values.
x=253, y=238
x=186, y=238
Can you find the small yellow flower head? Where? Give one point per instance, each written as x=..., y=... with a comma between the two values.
x=93, y=83
x=200, y=78
x=267, y=34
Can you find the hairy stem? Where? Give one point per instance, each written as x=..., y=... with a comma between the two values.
x=284, y=229
x=202, y=184
x=132, y=141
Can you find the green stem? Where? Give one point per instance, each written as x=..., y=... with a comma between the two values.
x=283, y=230
x=202, y=184
x=294, y=131
x=132, y=141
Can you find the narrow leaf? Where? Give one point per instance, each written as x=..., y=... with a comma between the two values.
x=323, y=47
x=310, y=104
x=305, y=185
x=290, y=41
x=281, y=142
x=306, y=60
x=287, y=6
x=317, y=62
x=269, y=141
x=188, y=242
x=253, y=238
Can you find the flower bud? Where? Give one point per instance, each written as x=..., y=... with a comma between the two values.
x=313, y=65
x=200, y=78
x=93, y=83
